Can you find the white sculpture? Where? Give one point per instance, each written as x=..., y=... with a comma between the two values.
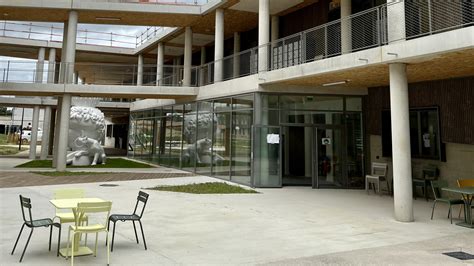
x=86, y=130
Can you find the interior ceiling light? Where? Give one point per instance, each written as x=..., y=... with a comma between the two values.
x=108, y=18
x=336, y=83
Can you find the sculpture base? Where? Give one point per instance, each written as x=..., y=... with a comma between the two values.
x=81, y=161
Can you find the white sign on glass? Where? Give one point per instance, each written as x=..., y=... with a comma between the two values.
x=326, y=141
x=273, y=139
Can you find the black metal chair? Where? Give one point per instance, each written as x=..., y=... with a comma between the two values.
x=26, y=203
x=143, y=198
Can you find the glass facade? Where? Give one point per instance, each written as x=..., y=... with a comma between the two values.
x=289, y=138
x=206, y=137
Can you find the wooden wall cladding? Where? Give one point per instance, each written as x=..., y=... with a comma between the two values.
x=454, y=97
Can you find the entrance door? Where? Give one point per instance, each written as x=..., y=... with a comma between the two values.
x=297, y=155
x=328, y=161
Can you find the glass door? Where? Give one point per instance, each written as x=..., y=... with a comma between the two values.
x=328, y=160
x=266, y=156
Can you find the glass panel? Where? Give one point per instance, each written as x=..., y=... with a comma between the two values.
x=167, y=120
x=296, y=117
x=189, y=137
x=148, y=138
x=355, y=151
x=269, y=101
x=241, y=147
x=242, y=102
x=157, y=141
x=330, y=160
x=270, y=117
x=429, y=134
x=354, y=104
x=221, y=146
x=204, y=138
x=327, y=118
x=296, y=155
x=177, y=134
x=297, y=102
x=267, y=157
x=221, y=105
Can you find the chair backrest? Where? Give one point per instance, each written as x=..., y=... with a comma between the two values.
x=430, y=172
x=466, y=182
x=25, y=203
x=379, y=169
x=84, y=208
x=436, y=186
x=143, y=198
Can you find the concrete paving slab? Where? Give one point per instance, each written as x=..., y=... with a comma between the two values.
x=272, y=226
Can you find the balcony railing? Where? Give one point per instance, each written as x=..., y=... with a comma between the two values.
x=161, y=2
x=35, y=31
x=357, y=32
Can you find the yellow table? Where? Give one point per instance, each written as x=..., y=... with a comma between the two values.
x=72, y=204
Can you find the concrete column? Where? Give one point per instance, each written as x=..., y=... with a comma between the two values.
x=263, y=34
x=396, y=20
x=160, y=59
x=56, y=131
x=275, y=34
x=219, y=46
x=203, y=62
x=401, y=153
x=63, y=132
x=34, y=132
x=346, y=26
x=236, y=65
x=188, y=56
x=46, y=133
x=63, y=66
x=51, y=65
x=70, y=54
x=140, y=70
x=52, y=123
x=40, y=65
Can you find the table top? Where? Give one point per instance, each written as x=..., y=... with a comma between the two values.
x=463, y=190
x=72, y=203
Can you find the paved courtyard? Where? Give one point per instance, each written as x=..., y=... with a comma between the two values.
x=289, y=226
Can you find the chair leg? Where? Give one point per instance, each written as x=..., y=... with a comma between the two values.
x=95, y=249
x=135, y=229
x=59, y=239
x=27, y=242
x=113, y=238
x=143, y=234
x=432, y=211
x=108, y=247
x=68, y=242
x=72, y=248
x=18, y=238
x=108, y=230
x=450, y=214
x=50, y=235
x=460, y=210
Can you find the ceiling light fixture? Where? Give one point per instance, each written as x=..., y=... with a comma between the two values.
x=336, y=83
x=108, y=18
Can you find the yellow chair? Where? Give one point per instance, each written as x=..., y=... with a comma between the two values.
x=67, y=216
x=464, y=183
x=83, y=209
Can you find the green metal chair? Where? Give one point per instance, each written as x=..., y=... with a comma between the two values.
x=25, y=203
x=437, y=186
x=85, y=208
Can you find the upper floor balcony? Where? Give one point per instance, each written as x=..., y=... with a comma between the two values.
x=365, y=30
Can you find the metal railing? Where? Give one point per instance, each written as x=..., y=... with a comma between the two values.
x=357, y=32
x=160, y=2
x=35, y=31
x=93, y=74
